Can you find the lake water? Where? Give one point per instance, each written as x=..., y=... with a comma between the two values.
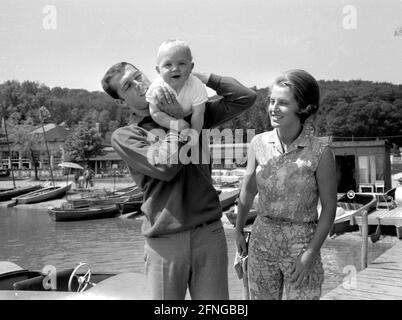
x=31, y=239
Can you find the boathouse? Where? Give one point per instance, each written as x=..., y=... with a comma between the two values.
x=362, y=166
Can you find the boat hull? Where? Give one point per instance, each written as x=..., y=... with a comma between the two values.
x=349, y=209
x=44, y=194
x=232, y=216
x=228, y=198
x=130, y=195
x=128, y=206
x=89, y=213
x=12, y=193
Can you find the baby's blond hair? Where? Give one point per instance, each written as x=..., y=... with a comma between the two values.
x=172, y=44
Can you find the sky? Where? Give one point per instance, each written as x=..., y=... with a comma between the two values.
x=72, y=43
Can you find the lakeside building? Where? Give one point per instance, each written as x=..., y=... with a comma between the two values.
x=362, y=166
x=22, y=162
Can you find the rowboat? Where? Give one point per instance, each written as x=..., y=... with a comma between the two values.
x=97, y=208
x=126, y=194
x=76, y=283
x=228, y=198
x=349, y=206
x=11, y=193
x=44, y=194
x=64, y=213
x=231, y=213
x=129, y=206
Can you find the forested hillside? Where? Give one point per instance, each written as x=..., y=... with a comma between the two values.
x=348, y=108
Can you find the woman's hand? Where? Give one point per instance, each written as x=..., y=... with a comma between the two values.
x=241, y=243
x=302, y=268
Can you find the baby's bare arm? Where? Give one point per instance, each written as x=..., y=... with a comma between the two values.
x=197, y=117
x=166, y=121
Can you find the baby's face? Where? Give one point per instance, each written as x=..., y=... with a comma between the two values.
x=175, y=66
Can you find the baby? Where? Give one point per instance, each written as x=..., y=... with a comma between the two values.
x=174, y=65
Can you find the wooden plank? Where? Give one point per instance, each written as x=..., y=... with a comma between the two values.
x=382, y=288
x=381, y=280
x=382, y=274
x=388, y=259
x=378, y=278
x=390, y=267
x=344, y=294
x=391, y=217
x=335, y=296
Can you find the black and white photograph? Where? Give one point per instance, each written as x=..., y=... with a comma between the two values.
x=218, y=150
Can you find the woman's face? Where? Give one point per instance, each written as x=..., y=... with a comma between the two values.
x=282, y=107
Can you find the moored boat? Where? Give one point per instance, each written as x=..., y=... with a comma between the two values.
x=44, y=194
x=231, y=214
x=79, y=283
x=228, y=198
x=64, y=213
x=129, y=206
x=11, y=193
x=349, y=206
x=126, y=194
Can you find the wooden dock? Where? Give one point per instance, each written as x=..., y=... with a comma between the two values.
x=385, y=217
x=381, y=280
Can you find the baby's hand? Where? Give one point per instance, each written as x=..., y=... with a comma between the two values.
x=189, y=135
x=182, y=125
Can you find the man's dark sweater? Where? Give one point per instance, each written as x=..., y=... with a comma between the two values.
x=177, y=196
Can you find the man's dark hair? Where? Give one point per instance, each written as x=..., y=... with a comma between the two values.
x=117, y=68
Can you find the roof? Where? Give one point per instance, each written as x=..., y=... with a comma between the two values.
x=363, y=143
x=53, y=132
x=108, y=156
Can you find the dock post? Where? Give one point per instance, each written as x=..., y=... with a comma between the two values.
x=364, y=238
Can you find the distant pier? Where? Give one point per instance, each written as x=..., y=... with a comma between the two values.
x=391, y=217
x=381, y=280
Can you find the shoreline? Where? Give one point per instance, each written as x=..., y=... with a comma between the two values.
x=109, y=184
x=100, y=184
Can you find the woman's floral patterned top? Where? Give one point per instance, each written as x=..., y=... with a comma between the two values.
x=286, y=181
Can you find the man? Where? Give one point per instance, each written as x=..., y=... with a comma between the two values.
x=185, y=243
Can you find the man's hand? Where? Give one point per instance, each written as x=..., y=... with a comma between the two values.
x=167, y=102
x=204, y=77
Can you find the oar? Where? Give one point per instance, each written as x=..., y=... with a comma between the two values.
x=374, y=237
x=13, y=203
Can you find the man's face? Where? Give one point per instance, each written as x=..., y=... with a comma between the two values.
x=131, y=85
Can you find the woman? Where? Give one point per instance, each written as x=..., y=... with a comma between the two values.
x=291, y=170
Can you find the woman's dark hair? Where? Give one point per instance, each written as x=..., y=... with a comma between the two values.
x=305, y=90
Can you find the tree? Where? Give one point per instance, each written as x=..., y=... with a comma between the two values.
x=84, y=142
x=28, y=143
